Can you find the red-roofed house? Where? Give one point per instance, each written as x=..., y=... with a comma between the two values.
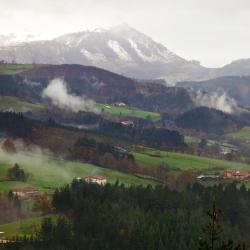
x=236, y=174
x=99, y=179
x=26, y=192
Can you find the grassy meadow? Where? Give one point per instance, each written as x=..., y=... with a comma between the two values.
x=17, y=105
x=12, y=69
x=48, y=173
x=243, y=134
x=23, y=227
x=191, y=139
x=128, y=111
x=180, y=161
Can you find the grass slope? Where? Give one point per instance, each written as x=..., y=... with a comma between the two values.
x=192, y=139
x=11, y=69
x=243, y=134
x=179, y=161
x=23, y=227
x=49, y=173
x=129, y=111
x=17, y=105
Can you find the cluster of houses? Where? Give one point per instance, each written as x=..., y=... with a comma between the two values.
x=26, y=192
x=233, y=174
x=29, y=192
x=236, y=174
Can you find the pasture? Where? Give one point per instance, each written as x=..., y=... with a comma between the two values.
x=128, y=111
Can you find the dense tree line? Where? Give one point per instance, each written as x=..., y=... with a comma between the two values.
x=116, y=217
x=15, y=124
x=114, y=157
x=209, y=120
x=152, y=137
x=16, y=173
x=98, y=149
x=16, y=85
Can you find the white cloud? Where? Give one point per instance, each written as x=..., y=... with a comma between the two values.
x=215, y=100
x=58, y=93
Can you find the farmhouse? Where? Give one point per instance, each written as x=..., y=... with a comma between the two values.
x=236, y=174
x=99, y=179
x=225, y=151
x=127, y=123
x=207, y=177
x=120, y=104
x=26, y=192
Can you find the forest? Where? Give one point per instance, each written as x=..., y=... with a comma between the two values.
x=116, y=217
x=152, y=137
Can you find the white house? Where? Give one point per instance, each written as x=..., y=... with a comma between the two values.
x=99, y=179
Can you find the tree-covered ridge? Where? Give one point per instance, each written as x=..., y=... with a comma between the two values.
x=152, y=137
x=116, y=217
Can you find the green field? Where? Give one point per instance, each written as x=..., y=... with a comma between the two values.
x=11, y=69
x=179, y=161
x=48, y=173
x=23, y=227
x=17, y=105
x=243, y=134
x=128, y=111
x=192, y=139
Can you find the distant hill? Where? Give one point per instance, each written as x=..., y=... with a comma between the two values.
x=236, y=87
x=96, y=84
x=208, y=120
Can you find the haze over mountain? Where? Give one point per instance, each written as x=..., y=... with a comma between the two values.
x=14, y=39
x=235, y=87
x=120, y=49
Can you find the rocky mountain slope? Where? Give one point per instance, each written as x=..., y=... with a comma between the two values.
x=121, y=49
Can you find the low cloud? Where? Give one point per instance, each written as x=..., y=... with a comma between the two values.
x=58, y=93
x=214, y=100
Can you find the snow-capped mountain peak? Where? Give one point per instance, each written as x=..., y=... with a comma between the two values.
x=121, y=49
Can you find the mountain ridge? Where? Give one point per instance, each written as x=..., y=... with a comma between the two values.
x=121, y=49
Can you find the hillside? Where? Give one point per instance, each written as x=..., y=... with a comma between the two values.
x=178, y=162
x=236, y=87
x=208, y=120
x=48, y=172
x=15, y=104
x=106, y=87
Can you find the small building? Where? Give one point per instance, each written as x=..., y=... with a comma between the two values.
x=26, y=192
x=120, y=149
x=99, y=179
x=236, y=174
x=120, y=104
x=207, y=177
x=225, y=151
x=127, y=123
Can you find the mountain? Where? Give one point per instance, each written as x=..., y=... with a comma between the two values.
x=121, y=49
x=236, y=68
x=235, y=87
x=13, y=39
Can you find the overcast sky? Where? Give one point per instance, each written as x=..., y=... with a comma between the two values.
x=214, y=32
